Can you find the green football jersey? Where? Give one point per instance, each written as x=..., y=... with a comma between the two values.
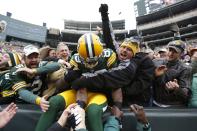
x=106, y=61
x=11, y=81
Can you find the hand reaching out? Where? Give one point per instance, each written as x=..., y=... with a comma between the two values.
x=160, y=70
x=139, y=113
x=28, y=71
x=116, y=112
x=103, y=8
x=74, y=115
x=7, y=114
x=63, y=118
x=44, y=104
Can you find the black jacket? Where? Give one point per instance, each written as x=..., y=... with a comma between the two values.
x=176, y=70
x=139, y=90
x=134, y=77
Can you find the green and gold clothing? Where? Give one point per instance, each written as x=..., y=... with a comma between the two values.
x=96, y=102
x=11, y=82
x=106, y=61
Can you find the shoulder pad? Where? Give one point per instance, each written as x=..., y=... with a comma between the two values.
x=107, y=52
x=76, y=58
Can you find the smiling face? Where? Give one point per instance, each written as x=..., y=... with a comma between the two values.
x=63, y=52
x=125, y=53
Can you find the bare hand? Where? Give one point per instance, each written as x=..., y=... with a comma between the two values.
x=26, y=70
x=63, y=62
x=116, y=112
x=82, y=95
x=172, y=85
x=44, y=104
x=7, y=114
x=63, y=118
x=160, y=70
x=139, y=113
x=98, y=28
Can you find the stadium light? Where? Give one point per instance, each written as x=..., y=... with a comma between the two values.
x=44, y=24
x=8, y=14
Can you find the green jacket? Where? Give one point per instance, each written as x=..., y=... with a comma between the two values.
x=112, y=124
x=193, y=100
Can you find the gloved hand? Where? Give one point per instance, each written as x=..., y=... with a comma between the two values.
x=103, y=8
x=104, y=12
x=80, y=118
x=77, y=118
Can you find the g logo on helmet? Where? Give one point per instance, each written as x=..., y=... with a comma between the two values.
x=89, y=48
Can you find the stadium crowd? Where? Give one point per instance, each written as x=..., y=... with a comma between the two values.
x=124, y=74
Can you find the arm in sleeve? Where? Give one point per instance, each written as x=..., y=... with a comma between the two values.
x=29, y=96
x=143, y=79
x=140, y=127
x=108, y=35
x=65, y=83
x=56, y=127
x=111, y=124
x=48, y=68
x=116, y=78
x=194, y=66
x=184, y=78
x=184, y=92
x=72, y=75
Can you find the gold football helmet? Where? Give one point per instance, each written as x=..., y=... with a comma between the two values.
x=89, y=48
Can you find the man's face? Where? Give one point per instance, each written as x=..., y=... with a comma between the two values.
x=125, y=53
x=63, y=52
x=52, y=53
x=32, y=60
x=163, y=54
x=173, y=54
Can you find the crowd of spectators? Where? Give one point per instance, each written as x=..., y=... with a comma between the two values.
x=96, y=76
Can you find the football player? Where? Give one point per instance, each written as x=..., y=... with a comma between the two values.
x=91, y=59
